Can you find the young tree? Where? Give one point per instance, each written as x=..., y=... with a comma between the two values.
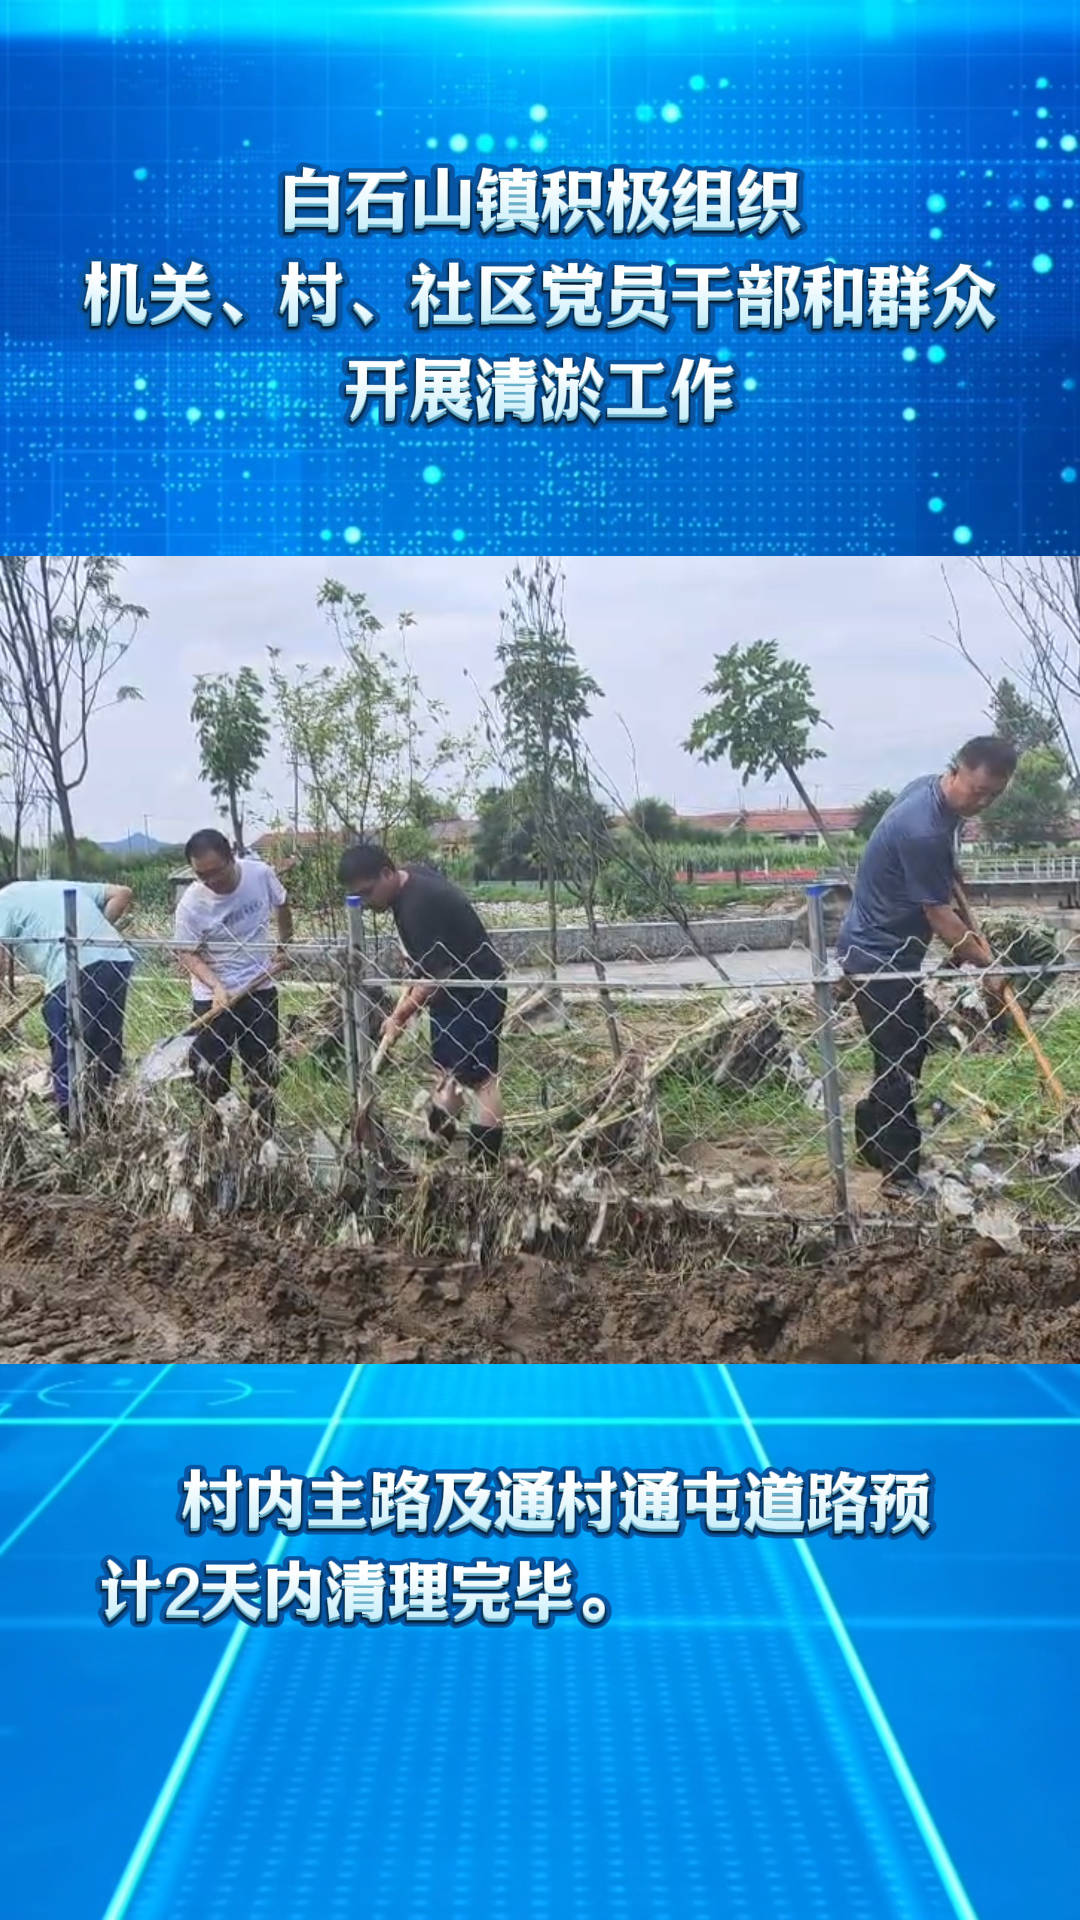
x=63, y=631
x=1034, y=810
x=505, y=843
x=17, y=768
x=543, y=698
x=1020, y=720
x=1040, y=599
x=762, y=716
x=874, y=808
x=233, y=732
x=365, y=742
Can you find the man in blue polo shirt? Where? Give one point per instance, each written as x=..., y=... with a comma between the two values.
x=905, y=894
x=32, y=926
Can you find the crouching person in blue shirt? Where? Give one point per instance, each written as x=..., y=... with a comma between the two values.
x=904, y=894
x=32, y=927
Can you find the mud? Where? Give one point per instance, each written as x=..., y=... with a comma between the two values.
x=80, y=1283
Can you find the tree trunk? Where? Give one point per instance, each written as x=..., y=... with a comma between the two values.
x=553, y=922
x=67, y=829
x=237, y=819
x=600, y=971
x=815, y=816
x=16, y=839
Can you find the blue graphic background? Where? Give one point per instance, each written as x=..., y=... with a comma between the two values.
x=858, y=1729
x=926, y=133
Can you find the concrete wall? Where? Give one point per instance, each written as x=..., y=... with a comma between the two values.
x=526, y=947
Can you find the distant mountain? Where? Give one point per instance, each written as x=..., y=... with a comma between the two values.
x=135, y=843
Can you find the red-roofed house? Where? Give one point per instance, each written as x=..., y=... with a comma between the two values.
x=789, y=826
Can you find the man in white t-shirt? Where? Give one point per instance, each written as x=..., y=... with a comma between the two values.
x=222, y=933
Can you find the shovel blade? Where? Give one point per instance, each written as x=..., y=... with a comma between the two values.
x=168, y=1060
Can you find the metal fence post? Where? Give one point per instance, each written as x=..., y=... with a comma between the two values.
x=830, y=1078
x=76, y=1042
x=359, y=1026
x=348, y=1029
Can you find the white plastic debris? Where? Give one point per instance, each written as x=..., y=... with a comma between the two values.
x=322, y=1160
x=596, y=1231
x=543, y=1011
x=182, y=1207
x=980, y=1175
x=269, y=1156
x=1000, y=1226
x=754, y=1198
x=35, y=1083
x=1067, y=1165
x=955, y=1199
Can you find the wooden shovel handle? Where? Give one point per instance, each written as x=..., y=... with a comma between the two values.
x=1019, y=1017
x=1024, y=1026
x=212, y=1013
x=12, y=1018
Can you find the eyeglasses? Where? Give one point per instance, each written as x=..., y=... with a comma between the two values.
x=216, y=875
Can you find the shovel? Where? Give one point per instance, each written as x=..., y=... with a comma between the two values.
x=362, y=1122
x=168, y=1059
x=1016, y=1011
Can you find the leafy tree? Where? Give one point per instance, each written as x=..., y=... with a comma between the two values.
x=424, y=807
x=874, y=808
x=1034, y=810
x=365, y=742
x=1022, y=721
x=762, y=716
x=655, y=818
x=640, y=888
x=64, y=629
x=505, y=835
x=233, y=732
x=543, y=698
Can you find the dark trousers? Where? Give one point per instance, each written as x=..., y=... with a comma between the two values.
x=103, y=988
x=893, y=1014
x=250, y=1030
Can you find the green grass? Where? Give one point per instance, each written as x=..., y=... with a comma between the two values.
x=768, y=1126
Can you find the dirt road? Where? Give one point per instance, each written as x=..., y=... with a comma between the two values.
x=77, y=1283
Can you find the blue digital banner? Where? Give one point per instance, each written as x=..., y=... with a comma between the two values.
x=884, y=363
x=820, y=1720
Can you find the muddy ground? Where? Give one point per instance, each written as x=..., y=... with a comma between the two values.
x=80, y=1283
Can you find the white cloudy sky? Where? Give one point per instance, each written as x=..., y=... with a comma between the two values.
x=870, y=630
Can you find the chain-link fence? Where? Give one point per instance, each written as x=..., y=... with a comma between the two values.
x=660, y=1084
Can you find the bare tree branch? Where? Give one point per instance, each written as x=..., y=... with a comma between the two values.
x=63, y=631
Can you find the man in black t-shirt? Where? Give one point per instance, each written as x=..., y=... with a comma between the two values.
x=456, y=974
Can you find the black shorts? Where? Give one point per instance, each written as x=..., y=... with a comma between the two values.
x=465, y=1027
x=249, y=1029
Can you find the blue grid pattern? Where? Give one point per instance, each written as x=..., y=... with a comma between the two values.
x=763, y=1728
x=158, y=133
